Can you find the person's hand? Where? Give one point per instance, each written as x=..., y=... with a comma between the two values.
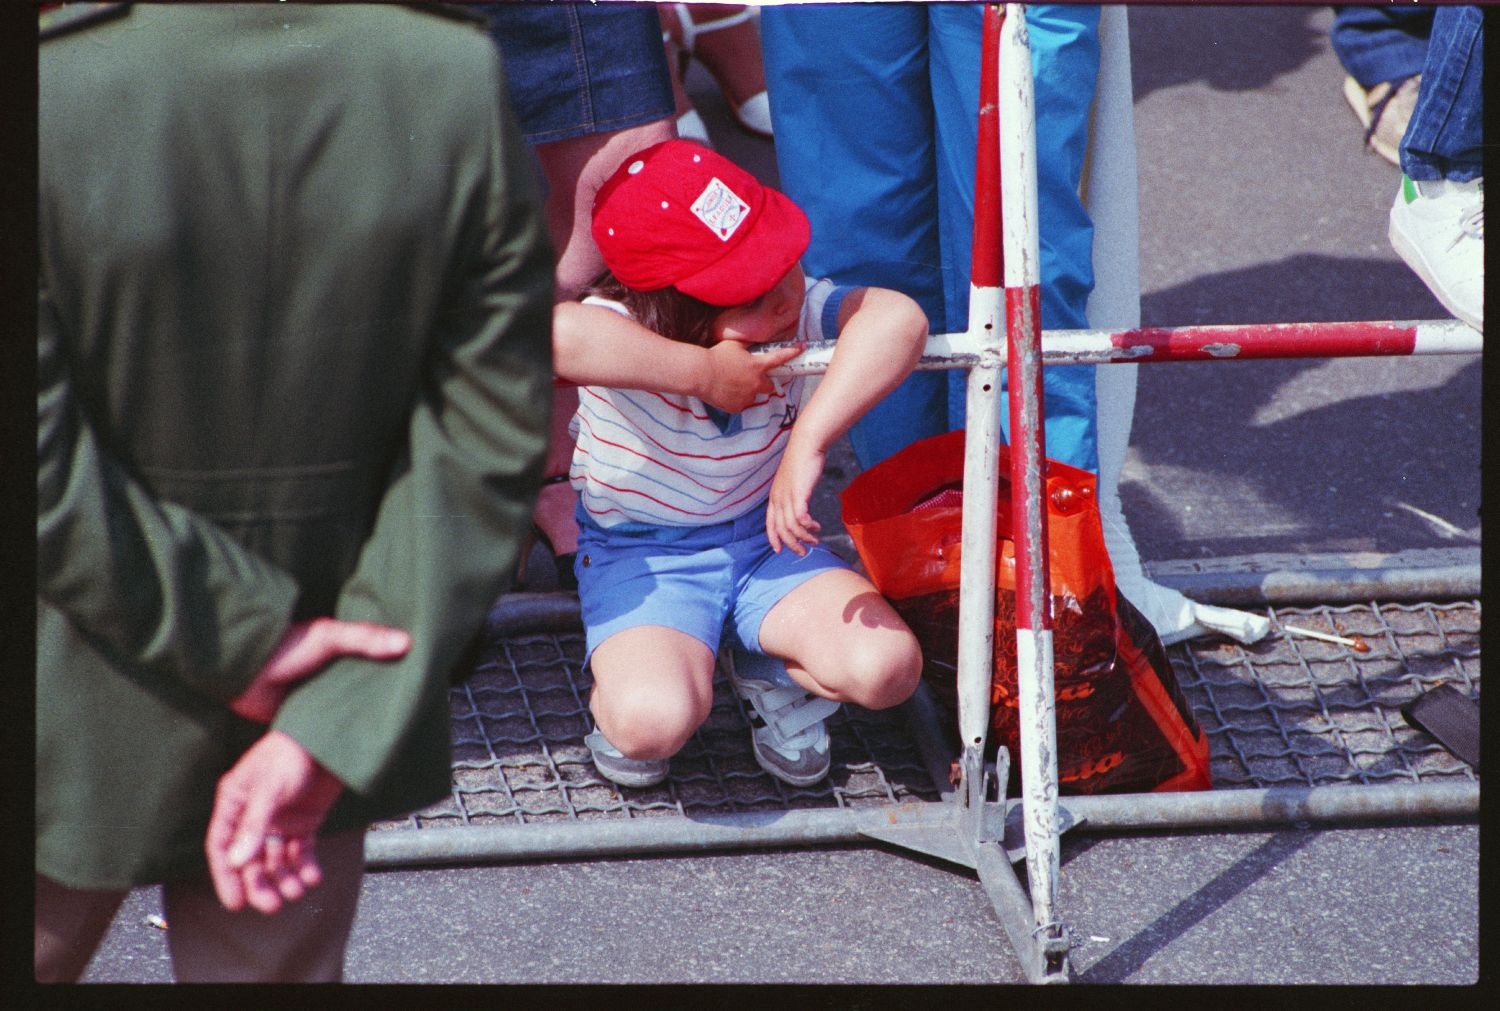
x=788, y=521
x=738, y=377
x=262, y=835
x=305, y=649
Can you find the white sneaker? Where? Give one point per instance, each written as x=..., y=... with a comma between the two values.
x=1437, y=227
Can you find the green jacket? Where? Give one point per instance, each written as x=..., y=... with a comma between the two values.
x=294, y=355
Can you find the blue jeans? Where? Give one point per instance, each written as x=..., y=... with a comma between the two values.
x=580, y=69
x=1443, y=139
x=1443, y=44
x=875, y=108
x=1377, y=44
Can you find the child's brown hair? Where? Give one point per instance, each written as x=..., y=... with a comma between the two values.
x=666, y=311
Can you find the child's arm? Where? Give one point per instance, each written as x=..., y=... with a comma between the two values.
x=596, y=346
x=881, y=337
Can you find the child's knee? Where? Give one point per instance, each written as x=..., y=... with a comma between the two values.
x=903, y=671
x=883, y=671
x=649, y=725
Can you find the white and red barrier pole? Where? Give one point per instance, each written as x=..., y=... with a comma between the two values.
x=1023, y=325
x=976, y=589
x=1363, y=339
x=1262, y=340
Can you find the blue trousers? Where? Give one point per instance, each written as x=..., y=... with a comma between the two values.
x=1378, y=44
x=579, y=69
x=1443, y=139
x=1446, y=46
x=875, y=108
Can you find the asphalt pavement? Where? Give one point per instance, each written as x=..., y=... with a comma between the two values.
x=1258, y=204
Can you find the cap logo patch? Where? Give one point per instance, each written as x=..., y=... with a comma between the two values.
x=720, y=208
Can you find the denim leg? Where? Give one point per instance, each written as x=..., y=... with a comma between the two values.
x=579, y=69
x=879, y=104
x=855, y=149
x=1377, y=44
x=1445, y=133
x=1065, y=58
x=1065, y=64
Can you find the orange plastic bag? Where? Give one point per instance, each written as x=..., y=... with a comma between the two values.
x=1123, y=725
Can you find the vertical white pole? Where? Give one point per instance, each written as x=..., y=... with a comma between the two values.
x=1034, y=654
x=976, y=586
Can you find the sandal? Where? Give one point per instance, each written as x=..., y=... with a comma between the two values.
x=734, y=61
x=1384, y=110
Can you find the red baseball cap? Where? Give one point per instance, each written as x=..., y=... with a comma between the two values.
x=681, y=215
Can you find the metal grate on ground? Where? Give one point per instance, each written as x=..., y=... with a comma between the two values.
x=1288, y=710
x=1297, y=711
x=519, y=756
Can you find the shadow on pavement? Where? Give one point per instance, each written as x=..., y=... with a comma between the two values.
x=1307, y=287
x=1228, y=51
x=1307, y=454
x=1126, y=960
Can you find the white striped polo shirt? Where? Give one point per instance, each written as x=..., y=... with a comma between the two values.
x=661, y=459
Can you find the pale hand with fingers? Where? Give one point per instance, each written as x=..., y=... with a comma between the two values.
x=262, y=835
x=788, y=522
x=738, y=377
x=305, y=649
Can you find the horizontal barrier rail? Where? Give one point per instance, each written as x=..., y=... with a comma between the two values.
x=1452, y=574
x=1195, y=344
x=1271, y=806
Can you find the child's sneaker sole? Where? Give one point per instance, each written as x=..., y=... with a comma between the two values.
x=617, y=768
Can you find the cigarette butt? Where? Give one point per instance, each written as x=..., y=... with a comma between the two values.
x=156, y=921
x=1358, y=645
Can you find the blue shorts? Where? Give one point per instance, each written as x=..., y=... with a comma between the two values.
x=700, y=581
x=580, y=69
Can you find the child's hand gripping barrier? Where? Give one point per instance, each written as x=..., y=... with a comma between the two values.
x=1123, y=725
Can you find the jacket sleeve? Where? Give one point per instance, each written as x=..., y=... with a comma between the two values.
x=449, y=528
x=151, y=585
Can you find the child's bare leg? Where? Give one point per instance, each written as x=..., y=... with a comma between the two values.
x=575, y=169
x=842, y=640
x=653, y=686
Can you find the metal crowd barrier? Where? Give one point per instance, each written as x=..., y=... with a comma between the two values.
x=974, y=824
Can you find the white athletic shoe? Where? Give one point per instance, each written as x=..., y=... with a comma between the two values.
x=1437, y=227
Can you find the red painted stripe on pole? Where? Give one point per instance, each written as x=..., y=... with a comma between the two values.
x=986, y=267
x=1269, y=340
x=1023, y=318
